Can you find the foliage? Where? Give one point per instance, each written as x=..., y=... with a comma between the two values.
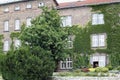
x=46, y=31
x=80, y=61
x=27, y=64
x=111, y=27
x=101, y=69
x=92, y=69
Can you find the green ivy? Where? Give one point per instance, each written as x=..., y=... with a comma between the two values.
x=111, y=27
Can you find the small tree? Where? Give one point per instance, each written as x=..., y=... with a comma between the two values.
x=27, y=64
x=46, y=32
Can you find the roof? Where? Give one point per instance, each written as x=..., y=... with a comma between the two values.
x=85, y=3
x=14, y=1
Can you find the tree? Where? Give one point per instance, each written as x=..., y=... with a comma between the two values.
x=46, y=31
x=27, y=64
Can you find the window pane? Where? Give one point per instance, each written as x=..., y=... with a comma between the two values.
x=66, y=21
x=94, y=41
x=6, y=46
x=101, y=19
x=28, y=22
x=17, y=43
x=6, y=25
x=17, y=24
x=17, y=8
x=29, y=6
x=95, y=19
x=6, y=9
x=101, y=40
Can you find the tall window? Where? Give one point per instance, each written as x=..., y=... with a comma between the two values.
x=97, y=19
x=6, y=45
x=6, y=26
x=66, y=21
x=28, y=21
x=17, y=43
x=98, y=40
x=17, y=24
x=67, y=64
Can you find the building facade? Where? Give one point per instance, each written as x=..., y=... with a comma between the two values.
x=14, y=14
x=81, y=13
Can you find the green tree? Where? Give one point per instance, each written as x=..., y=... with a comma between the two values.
x=46, y=32
x=27, y=63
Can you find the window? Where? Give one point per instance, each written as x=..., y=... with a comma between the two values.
x=6, y=45
x=17, y=8
x=66, y=21
x=98, y=40
x=17, y=43
x=6, y=26
x=29, y=6
x=97, y=19
x=28, y=22
x=41, y=4
x=17, y=24
x=67, y=64
x=6, y=9
x=70, y=42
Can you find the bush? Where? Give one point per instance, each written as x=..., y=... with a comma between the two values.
x=27, y=64
x=92, y=69
x=109, y=67
x=101, y=69
x=118, y=68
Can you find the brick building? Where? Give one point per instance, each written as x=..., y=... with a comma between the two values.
x=80, y=13
x=14, y=14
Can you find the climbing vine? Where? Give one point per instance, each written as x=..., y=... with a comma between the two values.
x=82, y=43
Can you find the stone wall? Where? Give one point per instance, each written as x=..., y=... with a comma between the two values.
x=86, y=78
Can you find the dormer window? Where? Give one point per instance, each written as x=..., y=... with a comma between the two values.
x=41, y=4
x=17, y=8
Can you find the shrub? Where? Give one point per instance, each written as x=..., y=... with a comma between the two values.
x=101, y=69
x=24, y=64
x=109, y=67
x=92, y=69
x=118, y=68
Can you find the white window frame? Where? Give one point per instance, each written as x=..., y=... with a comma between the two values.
x=6, y=25
x=28, y=21
x=17, y=24
x=17, y=8
x=6, y=45
x=29, y=6
x=17, y=43
x=97, y=19
x=66, y=21
x=66, y=64
x=98, y=40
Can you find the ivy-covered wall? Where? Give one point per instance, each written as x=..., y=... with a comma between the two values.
x=111, y=27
